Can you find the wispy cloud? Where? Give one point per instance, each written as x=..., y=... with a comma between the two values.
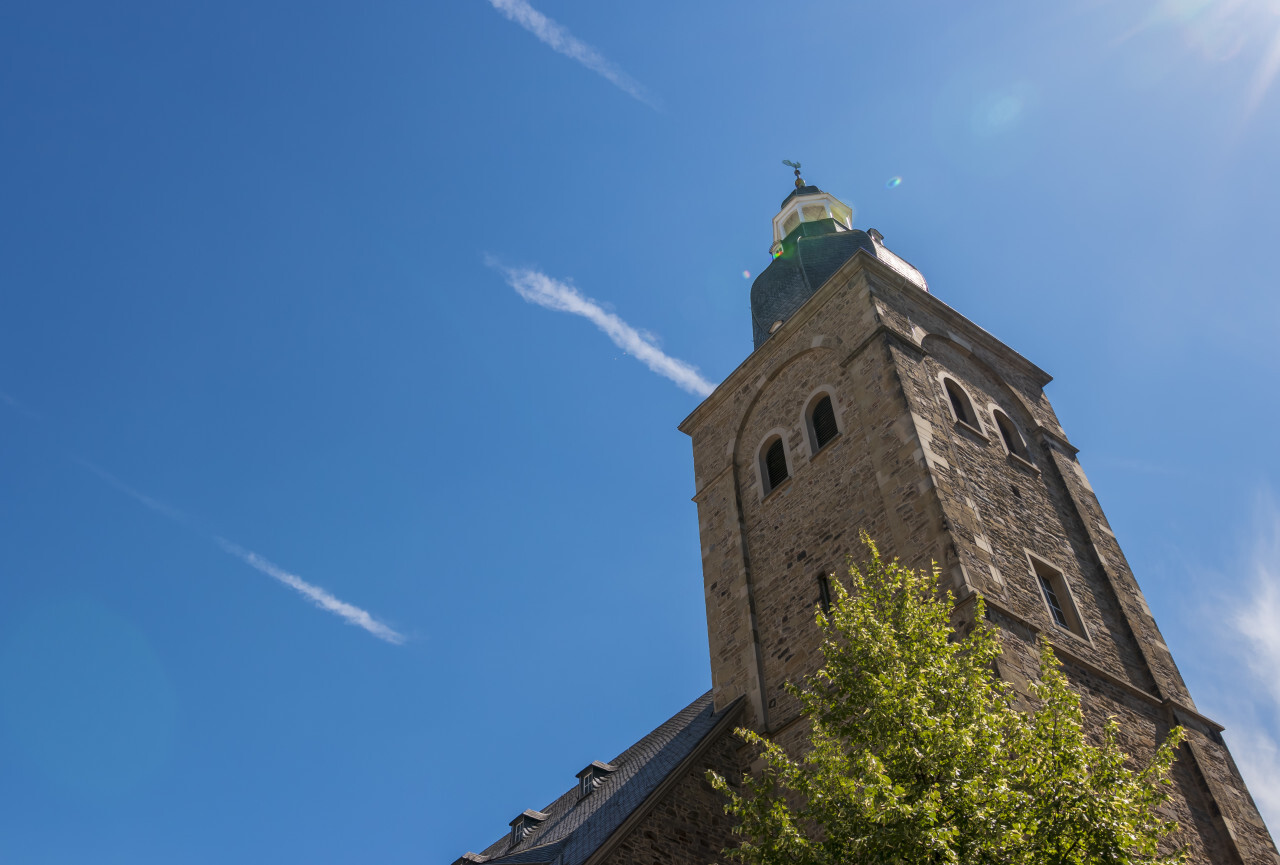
x=1251, y=702
x=322, y=599
x=561, y=40
x=18, y=406
x=1255, y=619
x=537, y=287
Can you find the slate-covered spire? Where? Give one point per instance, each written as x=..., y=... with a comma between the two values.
x=813, y=235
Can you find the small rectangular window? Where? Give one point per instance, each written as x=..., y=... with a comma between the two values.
x=1055, y=606
x=1057, y=597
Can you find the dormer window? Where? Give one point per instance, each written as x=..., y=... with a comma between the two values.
x=525, y=824
x=593, y=776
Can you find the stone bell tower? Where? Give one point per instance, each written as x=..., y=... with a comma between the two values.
x=869, y=404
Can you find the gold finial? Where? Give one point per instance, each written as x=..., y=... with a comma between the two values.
x=796, y=166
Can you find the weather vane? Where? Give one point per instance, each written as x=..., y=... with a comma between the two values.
x=796, y=166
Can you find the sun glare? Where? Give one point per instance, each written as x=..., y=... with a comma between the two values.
x=1224, y=30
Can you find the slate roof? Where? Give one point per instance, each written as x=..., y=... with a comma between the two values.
x=801, y=190
x=811, y=254
x=577, y=826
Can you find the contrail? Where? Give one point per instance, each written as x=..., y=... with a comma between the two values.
x=322, y=599
x=561, y=40
x=142, y=498
x=545, y=291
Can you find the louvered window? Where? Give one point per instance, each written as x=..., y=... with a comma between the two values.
x=960, y=403
x=824, y=423
x=1012, y=438
x=775, y=463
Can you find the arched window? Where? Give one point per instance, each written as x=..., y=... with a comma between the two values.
x=1009, y=434
x=773, y=468
x=822, y=423
x=960, y=403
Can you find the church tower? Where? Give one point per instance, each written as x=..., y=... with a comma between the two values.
x=869, y=404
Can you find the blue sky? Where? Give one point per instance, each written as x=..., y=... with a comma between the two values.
x=327, y=535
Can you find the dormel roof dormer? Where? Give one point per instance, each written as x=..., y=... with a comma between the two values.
x=593, y=776
x=525, y=824
x=470, y=858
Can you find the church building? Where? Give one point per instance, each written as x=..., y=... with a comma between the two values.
x=870, y=405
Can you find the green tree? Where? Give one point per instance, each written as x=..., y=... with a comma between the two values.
x=919, y=753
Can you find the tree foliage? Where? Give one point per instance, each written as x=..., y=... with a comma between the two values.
x=919, y=753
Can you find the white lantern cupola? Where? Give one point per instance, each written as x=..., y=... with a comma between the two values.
x=809, y=204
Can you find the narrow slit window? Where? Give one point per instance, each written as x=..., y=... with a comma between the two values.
x=824, y=592
x=775, y=463
x=823, y=422
x=960, y=403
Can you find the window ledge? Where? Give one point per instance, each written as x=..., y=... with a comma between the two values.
x=1055, y=629
x=786, y=482
x=826, y=447
x=1023, y=462
x=964, y=425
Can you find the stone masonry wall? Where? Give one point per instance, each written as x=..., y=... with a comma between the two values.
x=1000, y=508
x=930, y=489
x=764, y=552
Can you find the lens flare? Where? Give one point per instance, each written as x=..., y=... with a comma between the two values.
x=746, y=274
x=893, y=182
